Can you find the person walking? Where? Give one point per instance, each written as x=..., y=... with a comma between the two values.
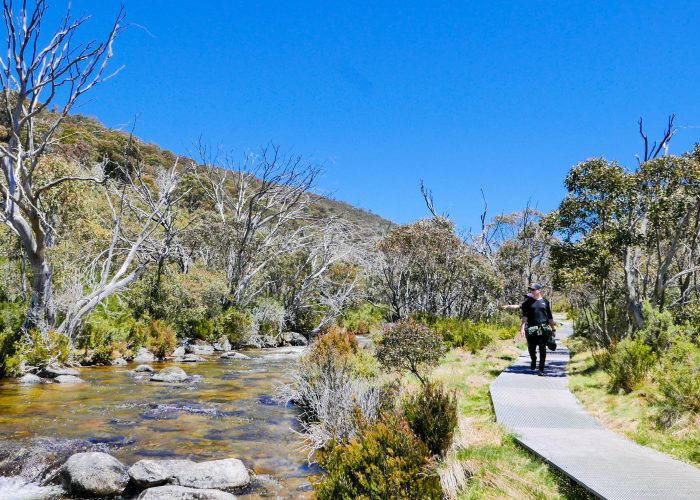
x=536, y=325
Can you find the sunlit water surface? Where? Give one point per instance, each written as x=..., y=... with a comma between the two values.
x=225, y=410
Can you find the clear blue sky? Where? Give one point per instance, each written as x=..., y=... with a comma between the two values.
x=503, y=96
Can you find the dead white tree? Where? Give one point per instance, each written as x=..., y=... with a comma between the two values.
x=262, y=204
x=142, y=221
x=33, y=78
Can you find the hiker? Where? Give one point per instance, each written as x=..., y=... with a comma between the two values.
x=536, y=325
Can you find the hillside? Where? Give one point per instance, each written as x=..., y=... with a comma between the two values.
x=86, y=138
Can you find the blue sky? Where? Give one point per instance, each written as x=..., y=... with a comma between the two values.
x=503, y=96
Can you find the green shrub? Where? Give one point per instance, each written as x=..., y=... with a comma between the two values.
x=11, y=316
x=628, y=363
x=410, y=346
x=679, y=382
x=385, y=461
x=200, y=328
x=467, y=334
x=432, y=415
x=162, y=339
x=268, y=317
x=237, y=325
x=39, y=349
x=363, y=319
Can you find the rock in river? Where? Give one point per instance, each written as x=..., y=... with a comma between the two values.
x=191, y=358
x=119, y=362
x=294, y=339
x=68, y=379
x=224, y=474
x=94, y=474
x=170, y=374
x=234, y=355
x=144, y=369
x=144, y=356
x=200, y=348
x=179, y=352
x=182, y=493
x=55, y=370
x=29, y=379
x=223, y=344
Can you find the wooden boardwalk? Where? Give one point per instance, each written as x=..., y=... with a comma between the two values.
x=548, y=420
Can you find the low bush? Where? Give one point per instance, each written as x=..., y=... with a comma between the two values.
x=363, y=319
x=628, y=363
x=11, y=315
x=467, y=334
x=161, y=339
x=237, y=325
x=39, y=349
x=679, y=382
x=268, y=318
x=432, y=415
x=410, y=346
x=386, y=460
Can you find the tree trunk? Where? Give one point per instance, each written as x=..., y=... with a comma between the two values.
x=42, y=312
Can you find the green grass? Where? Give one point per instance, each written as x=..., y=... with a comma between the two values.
x=498, y=466
x=632, y=415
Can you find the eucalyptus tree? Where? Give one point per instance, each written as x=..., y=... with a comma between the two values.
x=40, y=85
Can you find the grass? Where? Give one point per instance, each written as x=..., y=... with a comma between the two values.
x=632, y=415
x=497, y=467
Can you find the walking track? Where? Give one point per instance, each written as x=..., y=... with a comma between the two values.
x=548, y=420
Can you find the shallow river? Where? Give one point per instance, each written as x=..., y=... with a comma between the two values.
x=226, y=410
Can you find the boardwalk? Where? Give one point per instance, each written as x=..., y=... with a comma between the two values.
x=548, y=420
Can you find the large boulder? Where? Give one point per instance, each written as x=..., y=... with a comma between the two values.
x=94, y=474
x=170, y=374
x=119, y=362
x=191, y=358
x=224, y=474
x=294, y=339
x=150, y=473
x=143, y=355
x=223, y=344
x=234, y=355
x=29, y=379
x=55, y=370
x=200, y=348
x=68, y=379
x=182, y=493
x=179, y=352
x=269, y=341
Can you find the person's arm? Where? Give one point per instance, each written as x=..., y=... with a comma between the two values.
x=510, y=307
x=523, y=322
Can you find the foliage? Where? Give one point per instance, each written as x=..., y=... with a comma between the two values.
x=363, y=319
x=466, y=333
x=628, y=363
x=386, y=460
x=432, y=415
x=162, y=339
x=39, y=349
x=11, y=315
x=410, y=346
x=237, y=325
x=268, y=317
x=679, y=382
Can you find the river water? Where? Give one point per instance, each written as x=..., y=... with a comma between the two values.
x=225, y=411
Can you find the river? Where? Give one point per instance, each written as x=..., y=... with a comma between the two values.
x=225, y=411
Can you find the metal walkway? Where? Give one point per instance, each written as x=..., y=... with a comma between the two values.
x=548, y=420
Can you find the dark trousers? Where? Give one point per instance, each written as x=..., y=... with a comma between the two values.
x=533, y=342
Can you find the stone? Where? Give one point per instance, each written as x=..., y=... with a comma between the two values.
x=182, y=493
x=268, y=341
x=223, y=344
x=68, y=379
x=143, y=355
x=191, y=358
x=55, y=370
x=119, y=362
x=179, y=352
x=170, y=374
x=294, y=339
x=150, y=473
x=94, y=474
x=234, y=355
x=144, y=369
x=226, y=474
x=29, y=379
x=202, y=348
